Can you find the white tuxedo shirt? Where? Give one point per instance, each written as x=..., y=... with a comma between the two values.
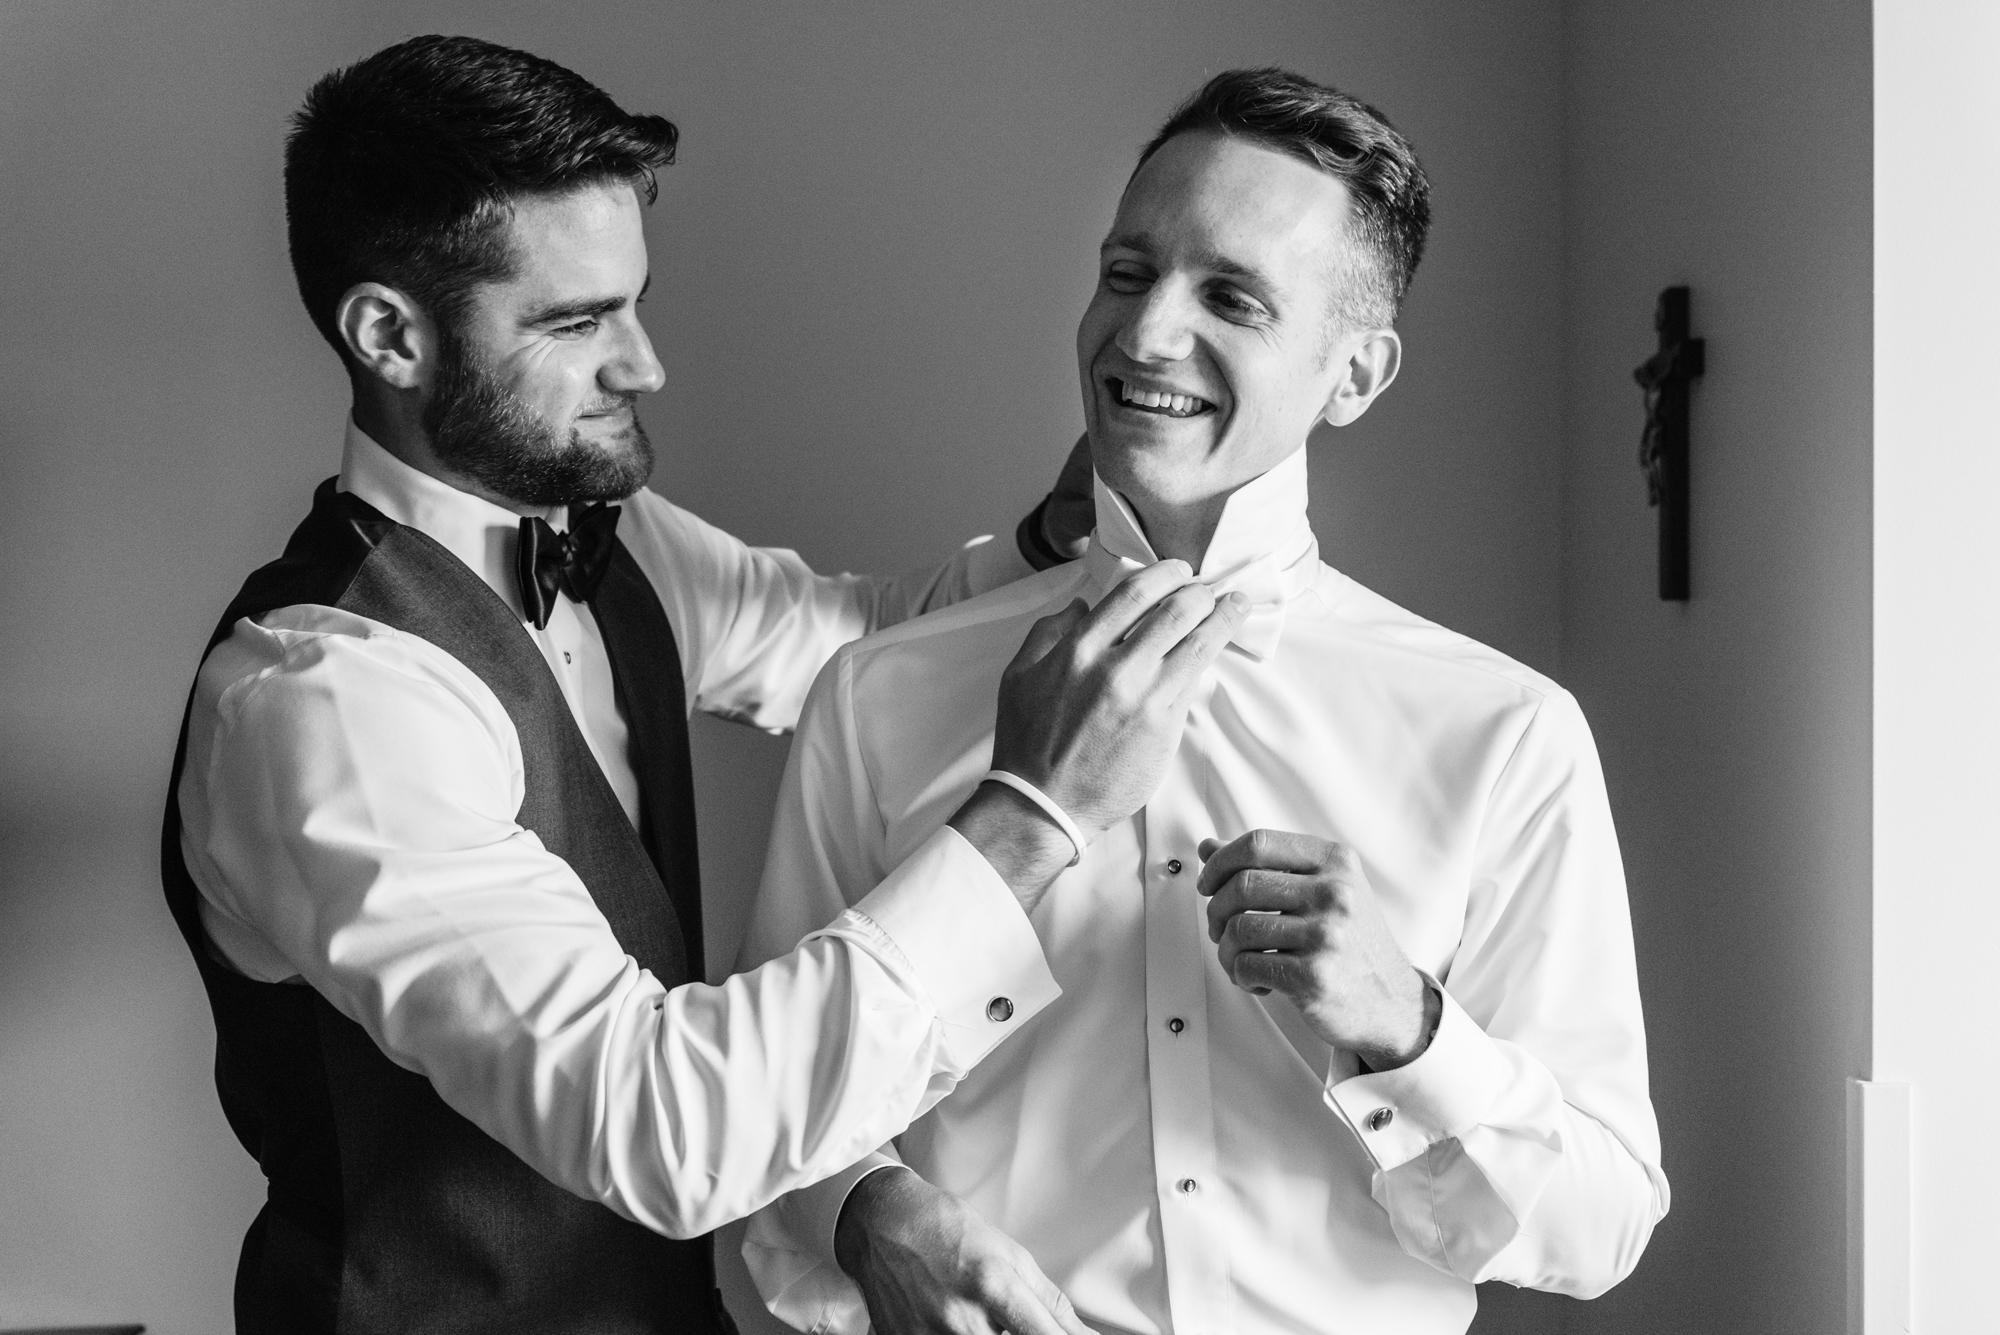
x=1177, y=1154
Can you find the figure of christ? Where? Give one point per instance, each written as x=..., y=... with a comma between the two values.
x=1349, y=1017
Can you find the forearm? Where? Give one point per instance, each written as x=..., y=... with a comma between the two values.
x=980, y=566
x=687, y=1108
x=766, y=1083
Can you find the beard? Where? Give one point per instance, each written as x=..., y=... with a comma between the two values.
x=482, y=430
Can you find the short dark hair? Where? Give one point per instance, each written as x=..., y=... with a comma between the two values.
x=400, y=168
x=1344, y=137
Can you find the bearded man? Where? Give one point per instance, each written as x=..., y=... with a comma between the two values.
x=430, y=835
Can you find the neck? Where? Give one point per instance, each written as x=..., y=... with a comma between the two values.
x=1179, y=531
x=394, y=419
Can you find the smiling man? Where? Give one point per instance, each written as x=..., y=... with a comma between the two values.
x=1382, y=1043
x=430, y=835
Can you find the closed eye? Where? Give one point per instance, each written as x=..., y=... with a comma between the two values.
x=1236, y=304
x=1126, y=277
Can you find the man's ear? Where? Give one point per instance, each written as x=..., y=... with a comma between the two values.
x=388, y=335
x=1372, y=361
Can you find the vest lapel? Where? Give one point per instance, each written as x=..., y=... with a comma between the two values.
x=646, y=671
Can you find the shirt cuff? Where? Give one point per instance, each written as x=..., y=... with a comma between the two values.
x=1444, y=1093
x=964, y=934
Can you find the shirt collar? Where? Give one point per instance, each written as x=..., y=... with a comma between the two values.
x=1263, y=548
x=478, y=532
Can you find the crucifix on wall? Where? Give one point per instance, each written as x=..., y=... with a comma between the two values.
x=1663, y=447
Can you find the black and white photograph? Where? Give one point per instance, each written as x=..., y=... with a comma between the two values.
x=881, y=667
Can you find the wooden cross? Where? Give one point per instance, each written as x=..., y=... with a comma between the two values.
x=1663, y=448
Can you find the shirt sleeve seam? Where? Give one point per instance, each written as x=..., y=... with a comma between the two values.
x=1500, y=777
x=1437, y=1225
x=851, y=738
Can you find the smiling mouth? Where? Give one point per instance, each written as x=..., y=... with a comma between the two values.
x=1157, y=402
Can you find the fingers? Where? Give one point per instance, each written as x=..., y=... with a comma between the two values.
x=1031, y=1305
x=1255, y=890
x=1187, y=661
x=1257, y=933
x=1168, y=622
x=1119, y=611
x=1262, y=973
x=1067, y=1318
x=1270, y=850
x=1046, y=633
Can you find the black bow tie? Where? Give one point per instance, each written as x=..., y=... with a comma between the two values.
x=571, y=563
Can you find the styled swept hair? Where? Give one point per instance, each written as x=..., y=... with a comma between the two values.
x=401, y=168
x=1345, y=138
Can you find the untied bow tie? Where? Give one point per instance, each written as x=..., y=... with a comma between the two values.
x=1267, y=582
x=1286, y=566
x=572, y=563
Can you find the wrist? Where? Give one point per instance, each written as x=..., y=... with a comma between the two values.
x=1423, y=1015
x=864, y=1201
x=1026, y=848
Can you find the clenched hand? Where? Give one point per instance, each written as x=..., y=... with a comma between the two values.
x=1294, y=914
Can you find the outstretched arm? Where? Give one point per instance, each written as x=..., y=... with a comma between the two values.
x=349, y=804
x=756, y=624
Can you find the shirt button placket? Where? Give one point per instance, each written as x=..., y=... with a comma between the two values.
x=1178, y=1066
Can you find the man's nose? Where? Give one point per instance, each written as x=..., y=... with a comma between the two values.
x=1160, y=329
x=634, y=368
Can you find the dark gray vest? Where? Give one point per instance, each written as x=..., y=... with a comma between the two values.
x=388, y=1211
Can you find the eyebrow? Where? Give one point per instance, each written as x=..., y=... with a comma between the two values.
x=1144, y=244
x=587, y=308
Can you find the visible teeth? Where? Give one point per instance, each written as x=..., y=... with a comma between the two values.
x=1150, y=398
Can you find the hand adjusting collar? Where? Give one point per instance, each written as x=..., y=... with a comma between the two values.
x=572, y=563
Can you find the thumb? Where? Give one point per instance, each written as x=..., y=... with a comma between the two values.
x=1046, y=633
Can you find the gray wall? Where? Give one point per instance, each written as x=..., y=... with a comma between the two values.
x=1728, y=146
x=869, y=266
x=869, y=270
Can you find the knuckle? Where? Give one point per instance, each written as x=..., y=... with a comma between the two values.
x=1190, y=602
x=1129, y=685
x=985, y=1278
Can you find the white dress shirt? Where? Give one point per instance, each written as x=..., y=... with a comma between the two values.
x=349, y=801
x=1177, y=1154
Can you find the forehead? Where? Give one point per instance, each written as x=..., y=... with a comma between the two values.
x=582, y=239
x=1207, y=192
